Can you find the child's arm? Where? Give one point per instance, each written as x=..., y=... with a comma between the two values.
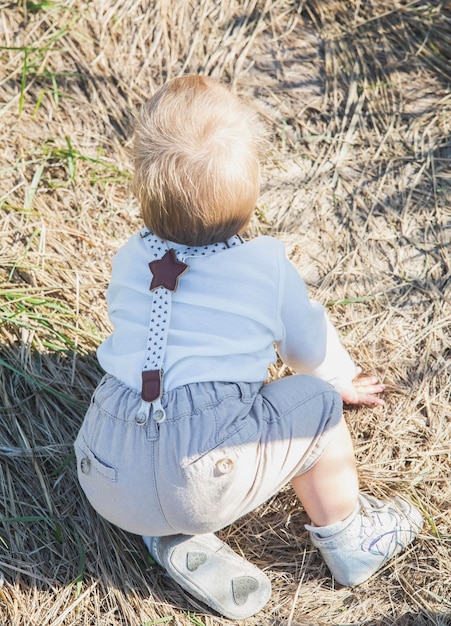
x=312, y=345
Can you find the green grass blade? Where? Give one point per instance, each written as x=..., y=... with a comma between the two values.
x=31, y=192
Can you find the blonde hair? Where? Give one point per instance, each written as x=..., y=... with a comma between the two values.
x=197, y=172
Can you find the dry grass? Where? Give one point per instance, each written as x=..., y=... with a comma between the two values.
x=357, y=184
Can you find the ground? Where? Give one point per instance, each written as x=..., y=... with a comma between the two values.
x=356, y=182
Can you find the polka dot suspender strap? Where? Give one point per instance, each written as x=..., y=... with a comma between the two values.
x=167, y=268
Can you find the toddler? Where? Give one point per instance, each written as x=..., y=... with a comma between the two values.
x=183, y=436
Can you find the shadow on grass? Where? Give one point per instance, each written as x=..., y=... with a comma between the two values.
x=53, y=542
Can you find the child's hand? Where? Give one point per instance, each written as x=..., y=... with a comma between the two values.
x=362, y=390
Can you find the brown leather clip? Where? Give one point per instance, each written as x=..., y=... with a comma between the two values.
x=151, y=385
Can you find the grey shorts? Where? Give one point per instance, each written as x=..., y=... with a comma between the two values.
x=223, y=449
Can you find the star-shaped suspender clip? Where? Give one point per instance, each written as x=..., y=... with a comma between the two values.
x=167, y=271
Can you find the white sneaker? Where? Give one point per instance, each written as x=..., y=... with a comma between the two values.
x=212, y=572
x=377, y=531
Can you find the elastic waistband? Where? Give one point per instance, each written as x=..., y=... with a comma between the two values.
x=123, y=403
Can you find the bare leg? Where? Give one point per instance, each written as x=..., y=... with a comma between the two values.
x=329, y=490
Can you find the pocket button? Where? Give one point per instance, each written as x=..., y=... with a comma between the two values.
x=85, y=465
x=224, y=466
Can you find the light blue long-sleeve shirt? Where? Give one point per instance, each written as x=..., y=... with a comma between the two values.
x=230, y=312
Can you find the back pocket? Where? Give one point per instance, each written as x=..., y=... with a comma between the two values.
x=89, y=463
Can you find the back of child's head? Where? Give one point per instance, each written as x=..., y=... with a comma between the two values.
x=197, y=161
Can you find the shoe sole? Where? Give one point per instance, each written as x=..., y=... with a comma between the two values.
x=213, y=573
